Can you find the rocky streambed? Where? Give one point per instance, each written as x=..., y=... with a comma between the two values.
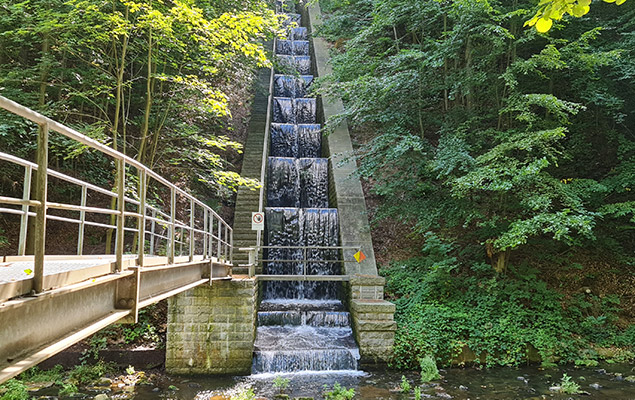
x=614, y=382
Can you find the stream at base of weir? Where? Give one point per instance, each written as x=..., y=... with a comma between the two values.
x=607, y=381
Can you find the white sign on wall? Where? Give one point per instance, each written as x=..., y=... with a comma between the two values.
x=257, y=221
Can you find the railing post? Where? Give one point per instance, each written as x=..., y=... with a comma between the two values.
x=226, y=252
x=121, y=207
x=24, y=219
x=220, y=240
x=172, y=225
x=206, y=230
x=152, y=238
x=252, y=262
x=143, y=185
x=82, y=220
x=305, y=262
x=40, y=218
x=192, y=239
x=181, y=239
x=210, y=247
x=231, y=246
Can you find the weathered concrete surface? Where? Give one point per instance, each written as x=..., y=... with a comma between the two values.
x=345, y=188
x=247, y=198
x=373, y=318
x=211, y=330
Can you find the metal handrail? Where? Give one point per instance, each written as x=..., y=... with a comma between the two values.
x=215, y=230
x=265, y=147
x=253, y=259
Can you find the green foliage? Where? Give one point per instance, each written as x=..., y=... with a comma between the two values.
x=417, y=393
x=14, y=389
x=440, y=312
x=154, y=79
x=338, y=392
x=88, y=373
x=244, y=394
x=484, y=132
x=405, y=385
x=499, y=148
x=568, y=385
x=35, y=374
x=281, y=383
x=67, y=389
x=555, y=9
x=428, y=368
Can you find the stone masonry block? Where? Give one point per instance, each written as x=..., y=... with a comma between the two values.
x=372, y=306
x=367, y=280
x=373, y=316
x=377, y=325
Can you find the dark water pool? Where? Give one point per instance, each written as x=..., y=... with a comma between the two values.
x=605, y=382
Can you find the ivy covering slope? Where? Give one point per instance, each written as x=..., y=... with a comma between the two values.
x=509, y=154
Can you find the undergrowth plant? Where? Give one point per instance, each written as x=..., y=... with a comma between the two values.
x=281, y=383
x=338, y=392
x=404, y=385
x=429, y=370
x=440, y=311
x=568, y=385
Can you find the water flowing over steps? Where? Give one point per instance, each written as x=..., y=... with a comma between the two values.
x=302, y=325
x=312, y=336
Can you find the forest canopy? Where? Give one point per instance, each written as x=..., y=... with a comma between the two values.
x=149, y=78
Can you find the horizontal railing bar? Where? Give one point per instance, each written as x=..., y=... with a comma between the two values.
x=301, y=247
x=13, y=211
x=72, y=207
x=338, y=278
x=19, y=202
x=308, y=261
x=75, y=221
x=59, y=175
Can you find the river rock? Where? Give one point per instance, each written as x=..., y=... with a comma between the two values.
x=461, y=387
x=103, y=381
x=630, y=378
x=595, y=386
x=522, y=379
x=601, y=371
x=101, y=396
x=555, y=388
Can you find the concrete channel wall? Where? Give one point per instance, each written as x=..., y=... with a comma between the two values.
x=372, y=316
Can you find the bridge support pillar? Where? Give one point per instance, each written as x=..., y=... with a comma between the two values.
x=211, y=330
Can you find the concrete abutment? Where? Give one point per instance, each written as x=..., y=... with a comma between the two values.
x=211, y=329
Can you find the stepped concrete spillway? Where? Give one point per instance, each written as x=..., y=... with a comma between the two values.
x=214, y=329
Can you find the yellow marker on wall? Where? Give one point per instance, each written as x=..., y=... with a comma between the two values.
x=359, y=256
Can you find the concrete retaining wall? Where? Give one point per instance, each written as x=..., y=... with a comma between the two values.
x=211, y=330
x=345, y=187
x=373, y=318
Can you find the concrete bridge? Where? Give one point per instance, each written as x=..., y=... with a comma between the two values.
x=174, y=247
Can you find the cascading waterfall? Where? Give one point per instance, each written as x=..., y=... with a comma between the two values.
x=302, y=325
